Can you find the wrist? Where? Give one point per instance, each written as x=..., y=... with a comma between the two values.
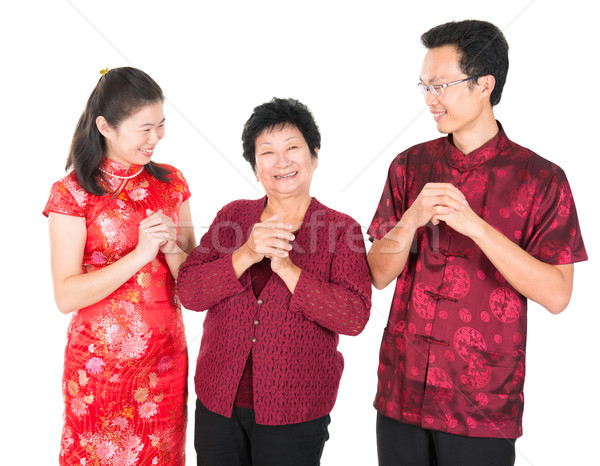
x=408, y=222
x=242, y=259
x=480, y=230
x=171, y=248
x=139, y=258
x=290, y=274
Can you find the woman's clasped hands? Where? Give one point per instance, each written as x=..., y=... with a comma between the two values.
x=157, y=232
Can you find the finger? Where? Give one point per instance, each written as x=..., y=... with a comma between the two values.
x=438, y=189
x=157, y=219
x=278, y=234
x=280, y=240
x=442, y=186
x=266, y=249
x=440, y=210
x=156, y=229
x=279, y=253
x=451, y=202
x=273, y=224
x=162, y=236
x=447, y=193
x=268, y=234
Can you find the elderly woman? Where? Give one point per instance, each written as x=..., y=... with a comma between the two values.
x=281, y=277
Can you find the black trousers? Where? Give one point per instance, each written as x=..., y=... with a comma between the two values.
x=400, y=444
x=240, y=441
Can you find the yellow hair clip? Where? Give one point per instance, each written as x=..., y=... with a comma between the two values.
x=104, y=71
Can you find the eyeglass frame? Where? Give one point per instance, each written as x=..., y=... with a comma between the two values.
x=431, y=88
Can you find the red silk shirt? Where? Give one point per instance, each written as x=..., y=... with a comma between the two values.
x=452, y=356
x=293, y=337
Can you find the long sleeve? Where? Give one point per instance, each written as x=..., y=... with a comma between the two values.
x=207, y=276
x=341, y=304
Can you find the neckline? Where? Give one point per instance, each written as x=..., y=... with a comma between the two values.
x=477, y=157
x=118, y=170
x=314, y=203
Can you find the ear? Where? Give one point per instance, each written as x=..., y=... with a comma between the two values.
x=315, y=159
x=105, y=129
x=487, y=84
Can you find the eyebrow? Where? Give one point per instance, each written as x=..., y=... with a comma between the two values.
x=270, y=143
x=152, y=124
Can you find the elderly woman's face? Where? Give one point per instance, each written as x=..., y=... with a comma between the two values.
x=284, y=164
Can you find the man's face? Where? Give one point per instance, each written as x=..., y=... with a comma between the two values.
x=460, y=106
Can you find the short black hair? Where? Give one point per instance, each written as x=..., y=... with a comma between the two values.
x=482, y=48
x=279, y=113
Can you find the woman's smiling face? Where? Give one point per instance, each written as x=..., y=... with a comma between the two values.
x=284, y=163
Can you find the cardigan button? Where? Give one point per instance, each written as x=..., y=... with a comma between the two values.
x=256, y=322
x=254, y=340
x=260, y=301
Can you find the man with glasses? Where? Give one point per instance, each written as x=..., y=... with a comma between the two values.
x=471, y=225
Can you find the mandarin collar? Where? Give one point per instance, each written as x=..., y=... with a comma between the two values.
x=479, y=156
x=117, y=168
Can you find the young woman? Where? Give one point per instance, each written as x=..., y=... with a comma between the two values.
x=120, y=227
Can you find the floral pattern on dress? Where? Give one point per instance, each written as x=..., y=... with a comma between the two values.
x=125, y=374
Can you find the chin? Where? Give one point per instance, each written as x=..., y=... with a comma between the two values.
x=444, y=129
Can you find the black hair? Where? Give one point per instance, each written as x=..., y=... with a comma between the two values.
x=279, y=113
x=482, y=48
x=117, y=95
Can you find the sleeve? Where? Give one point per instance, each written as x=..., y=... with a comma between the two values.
x=66, y=199
x=343, y=303
x=556, y=237
x=186, y=189
x=207, y=276
x=391, y=205
x=181, y=184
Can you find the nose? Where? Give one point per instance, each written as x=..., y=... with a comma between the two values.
x=430, y=99
x=154, y=136
x=282, y=158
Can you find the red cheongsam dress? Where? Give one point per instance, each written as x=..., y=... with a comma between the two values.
x=125, y=369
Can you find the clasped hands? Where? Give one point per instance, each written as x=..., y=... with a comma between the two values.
x=442, y=202
x=157, y=232
x=271, y=239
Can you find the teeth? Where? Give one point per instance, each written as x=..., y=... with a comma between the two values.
x=286, y=176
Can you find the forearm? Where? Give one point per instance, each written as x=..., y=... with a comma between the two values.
x=387, y=257
x=546, y=284
x=81, y=290
x=242, y=259
x=333, y=306
x=174, y=260
x=290, y=276
x=202, y=284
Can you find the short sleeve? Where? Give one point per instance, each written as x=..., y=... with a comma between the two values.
x=67, y=197
x=186, y=189
x=180, y=183
x=391, y=205
x=556, y=238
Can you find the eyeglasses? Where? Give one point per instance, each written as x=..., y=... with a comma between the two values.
x=438, y=89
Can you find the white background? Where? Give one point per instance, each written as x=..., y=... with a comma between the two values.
x=356, y=65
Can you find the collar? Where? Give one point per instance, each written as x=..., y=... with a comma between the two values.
x=117, y=168
x=479, y=156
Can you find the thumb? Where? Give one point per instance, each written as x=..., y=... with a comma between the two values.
x=149, y=212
